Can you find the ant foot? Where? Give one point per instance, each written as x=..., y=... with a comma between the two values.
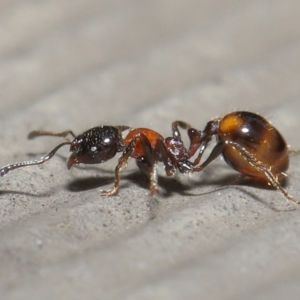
x=289, y=197
x=153, y=190
x=107, y=193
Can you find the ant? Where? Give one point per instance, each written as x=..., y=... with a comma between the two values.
x=249, y=144
x=101, y=143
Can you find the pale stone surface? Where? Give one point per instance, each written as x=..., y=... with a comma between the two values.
x=78, y=64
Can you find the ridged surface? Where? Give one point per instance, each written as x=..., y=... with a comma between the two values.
x=77, y=64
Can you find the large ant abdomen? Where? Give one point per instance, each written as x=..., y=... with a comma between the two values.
x=247, y=134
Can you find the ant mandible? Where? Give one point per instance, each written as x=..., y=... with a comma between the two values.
x=101, y=143
x=249, y=144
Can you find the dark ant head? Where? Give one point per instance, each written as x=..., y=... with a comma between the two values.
x=96, y=145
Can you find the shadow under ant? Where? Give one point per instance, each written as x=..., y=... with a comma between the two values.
x=37, y=195
x=167, y=186
x=238, y=182
x=236, y=179
x=88, y=183
x=170, y=185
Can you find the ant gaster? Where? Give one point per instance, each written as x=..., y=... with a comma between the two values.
x=101, y=143
x=249, y=144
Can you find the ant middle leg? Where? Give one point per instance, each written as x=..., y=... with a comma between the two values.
x=148, y=162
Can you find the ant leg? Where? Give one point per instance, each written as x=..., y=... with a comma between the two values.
x=36, y=133
x=217, y=151
x=122, y=128
x=146, y=146
x=175, y=129
x=121, y=164
x=152, y=156
x=153, y=179
x=195, y=136
x=161, y=154
x=204, y=137
x=294, y=151
x=148, y=162
x=261, y=167
x=196, y=139
x=44, y=159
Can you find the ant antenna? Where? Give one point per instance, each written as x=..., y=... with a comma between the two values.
x=36, y=133
x=40, y=161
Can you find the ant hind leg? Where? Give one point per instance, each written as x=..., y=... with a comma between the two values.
x=261, y=167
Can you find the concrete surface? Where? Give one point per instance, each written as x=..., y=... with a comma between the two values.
x=77, y=64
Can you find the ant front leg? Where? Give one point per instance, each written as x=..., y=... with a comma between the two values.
x=122, y=162
x=147, y=158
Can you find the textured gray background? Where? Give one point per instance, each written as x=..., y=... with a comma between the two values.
x=77, y=64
